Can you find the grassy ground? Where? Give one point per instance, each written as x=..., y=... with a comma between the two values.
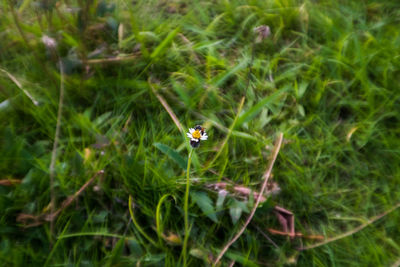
x=327, y=77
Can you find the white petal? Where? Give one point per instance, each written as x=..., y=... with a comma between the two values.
x=191, y=130
x=189, y=135
x=194, y=139
x=204, y=137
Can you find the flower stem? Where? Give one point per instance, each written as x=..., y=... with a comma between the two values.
x=185, y=209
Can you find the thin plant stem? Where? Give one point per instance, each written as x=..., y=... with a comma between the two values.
x=250, y=66
x=167, y=107
x=209, y=165
x=52, y=169
x=185, y=209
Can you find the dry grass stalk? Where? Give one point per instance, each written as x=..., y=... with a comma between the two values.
x=167, y=108
x=266, y=176
x=18, y=84
x=55, y=145
x=355, y=230
x=112, y=59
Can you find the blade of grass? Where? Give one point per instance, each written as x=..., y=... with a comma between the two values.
x=172, y=154
x=158, y=216
x=56, y=244
x=163, y=45
x=137, y=224
x=209, y=165
x=95, y=234
x=138, y=36
x=167, y=108
x=18, y=84
x=160, y=49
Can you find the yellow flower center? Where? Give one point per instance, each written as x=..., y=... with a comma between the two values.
x=196, y=134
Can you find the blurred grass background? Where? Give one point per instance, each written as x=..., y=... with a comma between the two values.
x=327, y=77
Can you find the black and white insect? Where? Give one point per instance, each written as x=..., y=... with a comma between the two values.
x=196, y=135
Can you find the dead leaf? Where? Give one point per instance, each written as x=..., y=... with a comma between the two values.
x=87, y=155
x=350, y=133
x=9, y=182
x=243, y=191
x=172, y=239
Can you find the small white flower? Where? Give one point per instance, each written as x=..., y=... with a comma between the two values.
x=49, y=42
x=262, y=32
x=196, y=134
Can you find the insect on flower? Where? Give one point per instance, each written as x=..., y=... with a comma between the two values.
x=196, y=134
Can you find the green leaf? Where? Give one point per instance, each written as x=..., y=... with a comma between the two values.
x=300, y=108
x=172, y=154
x=102, y=119
x=235, y=210
x=301, y=89
x=207, y=44
x=220, y=79
x=116, y=253
x=70, y=40
x=257, y=108
x=239, y=258
x=153, y=258
x=220, y=201
x=205, y=204
x=24, y=5
x=181, y=92
x=162, y=47
x=244, y=135
x=235, y=213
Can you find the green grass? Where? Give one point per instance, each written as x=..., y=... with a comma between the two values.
x=328, y=69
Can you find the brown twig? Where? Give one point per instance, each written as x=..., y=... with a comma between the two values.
x=167, y=108
x=355, y=230
x=40, y=219
x=70, y=199
x=277, y=232
x=266, y=176
x=112, y=60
